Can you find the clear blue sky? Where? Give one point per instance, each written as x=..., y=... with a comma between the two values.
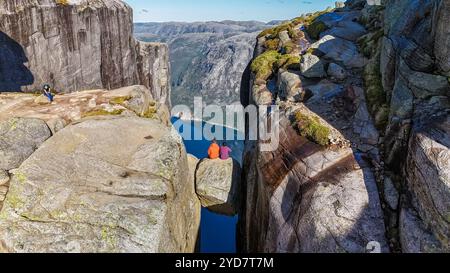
x=217, y=10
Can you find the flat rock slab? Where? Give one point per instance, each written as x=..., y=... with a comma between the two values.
x=341, y=51
x=217, y=184
x=19, y=138
x=109, y=184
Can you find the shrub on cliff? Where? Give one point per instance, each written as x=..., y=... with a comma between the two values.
x=311, y=128
x=262, y=66
x=272, y=44
x=315, y=29
x=288, y=61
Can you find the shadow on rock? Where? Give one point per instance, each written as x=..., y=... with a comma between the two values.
x=13, y=72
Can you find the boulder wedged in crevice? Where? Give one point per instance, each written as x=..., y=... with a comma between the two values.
x=218, y=185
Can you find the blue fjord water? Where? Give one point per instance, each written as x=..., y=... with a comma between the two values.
x=217, y=232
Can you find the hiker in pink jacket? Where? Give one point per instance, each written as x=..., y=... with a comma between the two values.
x=225, y=151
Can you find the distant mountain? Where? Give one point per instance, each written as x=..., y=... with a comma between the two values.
x=207, y=58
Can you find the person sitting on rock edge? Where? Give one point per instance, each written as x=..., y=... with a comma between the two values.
x=48, y=93
x=225, y=151
x=213, y=150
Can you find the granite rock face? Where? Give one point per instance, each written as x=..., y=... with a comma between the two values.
x=19, y=138
x=303, y=198
x=135, y=197
x=90, y=45
x=428, y=177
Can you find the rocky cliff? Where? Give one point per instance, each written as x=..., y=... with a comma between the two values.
x=94, y=171
x=207, y=58
x=77, y=45
x=362, y=163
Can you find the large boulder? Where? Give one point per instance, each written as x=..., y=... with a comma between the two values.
x=424, y=85
x=218, y=184
x=19, y=138
x=290, y=86
x=347, y=30
x=337, y=72
x=312, y=66
x=324, y=90
x=341, y=51
x=104, y=184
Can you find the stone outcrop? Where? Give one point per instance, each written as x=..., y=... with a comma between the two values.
x=304, y=198
x=20, y=137
x=77, y=194
x=387, y=92
x=67, y=108
x=218, y=185
x=290, y=86
x=111, y=168
x=411, y=93
x=428, y=178
x=340, y=50
x=84, y=44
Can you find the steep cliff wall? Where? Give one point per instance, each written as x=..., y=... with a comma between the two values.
x=77, y=45
x=414, y=68
x=377, y=74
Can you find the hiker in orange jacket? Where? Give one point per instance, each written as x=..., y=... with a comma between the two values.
x=214, y=150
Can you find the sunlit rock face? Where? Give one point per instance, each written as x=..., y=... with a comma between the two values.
x=77, y=45
x=387, y=92
x=105, y=184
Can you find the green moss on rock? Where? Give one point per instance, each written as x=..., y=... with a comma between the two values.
x=120, y=100
x=150, y=112
x=375, y=94
x=311, y=128
x=315, y=29
x=262, y=65
x=289, y=47
x=289, y=61
x=102, y=112
x=272, y=44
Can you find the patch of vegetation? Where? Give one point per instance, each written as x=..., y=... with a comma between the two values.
x=382, y=117
x=120, y=100
x=315, y=29
x=272, y=44
x=274, y=32
x=266, y=32
x=62, y=2
x=263, y=65
x=150, y=113
x=311, y=128
x=369, y=43
x=288, y=61
x=289, y=47
x=375, y=94
x=102, y=112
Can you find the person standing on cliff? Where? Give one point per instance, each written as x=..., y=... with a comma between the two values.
x=214, y=150
x=225, y=151
x=48, y=93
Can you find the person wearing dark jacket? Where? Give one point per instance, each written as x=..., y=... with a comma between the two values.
x=48, y=93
